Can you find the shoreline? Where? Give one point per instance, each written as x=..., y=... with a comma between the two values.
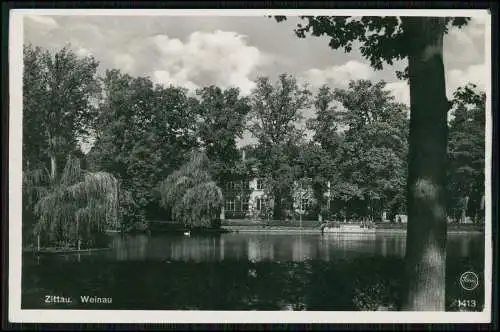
x=309, y=230
x=62, y=250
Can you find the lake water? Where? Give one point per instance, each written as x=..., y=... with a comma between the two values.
x=243, y=271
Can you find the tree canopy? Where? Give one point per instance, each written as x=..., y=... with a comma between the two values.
x=195, y=199
x=385, y=39
x=144, y=135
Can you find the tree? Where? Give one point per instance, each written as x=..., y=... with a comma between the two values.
x=325, y=125
x=59, y=94
x=420, y=40
x=59, y=90
x=276, y=109
x=316, y=164
x=374, y=147
x=317, y=158
x=302, y=192
x=221, y=116
x=466, y=151
x=142, y=136
x=77, y=206
x=195, y=199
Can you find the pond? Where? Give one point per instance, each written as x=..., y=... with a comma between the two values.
x=241, y=271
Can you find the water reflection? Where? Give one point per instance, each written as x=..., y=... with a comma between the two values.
x=239, y=271
x=270, y=247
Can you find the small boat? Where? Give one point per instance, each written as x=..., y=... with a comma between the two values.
x=348, y=229
x=187, y=233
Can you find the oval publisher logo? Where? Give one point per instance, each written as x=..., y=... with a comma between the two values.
x=469, y=280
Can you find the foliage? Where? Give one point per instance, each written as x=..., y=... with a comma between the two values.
x=77, y=206
x=316, y=164
x=325, y=125
x=143, y=131
x=143, y=134
x=221, y=115
x=382, y=39
x=59, y=94
x=387, y=39
x=60, y=91
x=276, y=109
x=372, y=157
x=190, y=192
x=467, y=151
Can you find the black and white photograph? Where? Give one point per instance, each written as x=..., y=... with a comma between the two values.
x=249, y=166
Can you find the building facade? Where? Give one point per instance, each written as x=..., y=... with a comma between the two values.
x=247, y=199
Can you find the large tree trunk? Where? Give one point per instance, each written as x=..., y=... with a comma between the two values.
x=426, y=235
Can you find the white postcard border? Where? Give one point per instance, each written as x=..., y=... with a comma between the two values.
x=17, y=315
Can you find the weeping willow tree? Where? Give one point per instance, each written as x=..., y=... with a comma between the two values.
x=191, y=194
x=78, y=205
x=35, y=185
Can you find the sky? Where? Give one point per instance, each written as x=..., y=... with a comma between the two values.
x=233, y=51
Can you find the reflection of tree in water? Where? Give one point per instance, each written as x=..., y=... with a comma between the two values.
x=130, y=247
x=366, y=281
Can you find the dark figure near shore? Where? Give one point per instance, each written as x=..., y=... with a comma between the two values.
x=322, y=227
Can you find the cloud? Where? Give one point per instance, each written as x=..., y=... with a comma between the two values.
x=83, y=52
x=43, y=21
x=179, y=79
x=221, y=57
x=400, y=90
x=338, y=75
x=124, y=61
x=465, y=46
x=475, y=74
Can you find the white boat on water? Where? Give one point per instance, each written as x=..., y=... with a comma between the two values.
x=348, y=229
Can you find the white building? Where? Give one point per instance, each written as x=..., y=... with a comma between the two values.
x=247, y=199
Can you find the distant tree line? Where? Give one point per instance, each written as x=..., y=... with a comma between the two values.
x=149, y=138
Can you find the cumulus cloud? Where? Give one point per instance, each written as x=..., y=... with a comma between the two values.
x=338, y=75
x=124, y=61
x=179, y=79
x=221, y=57
x=476, y=74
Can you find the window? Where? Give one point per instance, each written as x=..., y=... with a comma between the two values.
x=230, y=185
x=229, y=205
x=244, y=206
x=260, y=184
x=245, y=184
x=260, y=202
x=306, y=204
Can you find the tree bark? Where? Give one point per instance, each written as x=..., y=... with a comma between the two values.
x=53, y=167
x=426, y=233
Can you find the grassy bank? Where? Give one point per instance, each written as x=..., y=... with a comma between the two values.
x=314, y=226
x=310, y=226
